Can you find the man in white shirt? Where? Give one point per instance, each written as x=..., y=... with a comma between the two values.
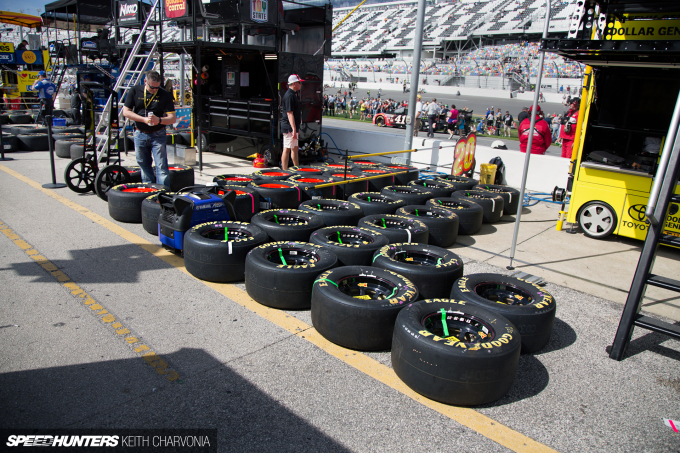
x=416, y=116
x=432, y=116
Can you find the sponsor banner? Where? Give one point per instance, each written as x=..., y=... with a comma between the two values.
x=110, y=440
x=6, y=47
x=128, y=11
x=259, y=11
x=175, y=8
x=7, y=58
x=26, y=79
x=89, y=45
x=642, y=27
x=47, y=60
x=28, y=57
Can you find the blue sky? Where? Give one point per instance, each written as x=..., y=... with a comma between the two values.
x=29, y=6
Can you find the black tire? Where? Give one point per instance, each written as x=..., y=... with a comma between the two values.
x=135, y=173
x=459, y=182
x=306, y=171
x=10, y=143
x=377, y=184
x=125, y=200
x=247, y=202
x=353, y=246
x=491, y=203
x=441, y=223
x=437, y=187
x=109, y=176
x=62, y=148
x=4, y=119
x=338, y=168
x=470, y=215
x=597, y=219
x=20, y=119
x=68, y=136
x=79, y=175
x=287, y=224
x=528, y=306
x=345, y=191
x=216, y=251
x=272, y=175
x=235, y=180
x=463, y=368
x=28, y=130
x=277, y=194
x=282, y=274
x=380, y=121
x=356, y=306
x=308, y=183
x=363, y=164
x=510, y=196
x=376, y=203
x=334, y=212
x=181, y=176
x=397, y=228
x=411, y=174
x=432, y=269
x=410, y=194
x=33, y=142
x=77, y=151
x=151, y=209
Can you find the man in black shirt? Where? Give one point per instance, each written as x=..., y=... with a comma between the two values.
x=152, y=108
x=524, y=114
x=291, y=118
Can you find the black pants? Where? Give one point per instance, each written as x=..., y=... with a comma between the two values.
x=433, y=121
x=75, y=115
x=46, y=109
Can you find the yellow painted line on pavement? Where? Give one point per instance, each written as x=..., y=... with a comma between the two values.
x=121, y=330
x=470, y=418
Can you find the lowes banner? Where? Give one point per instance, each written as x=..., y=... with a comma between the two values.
x=128, y=11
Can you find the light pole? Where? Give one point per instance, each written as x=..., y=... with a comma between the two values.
x=557, y=71
x=479, y=83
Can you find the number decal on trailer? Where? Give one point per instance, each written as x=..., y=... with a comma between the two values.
x=464, y=155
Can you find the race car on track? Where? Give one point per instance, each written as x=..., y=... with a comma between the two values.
x=397, y=118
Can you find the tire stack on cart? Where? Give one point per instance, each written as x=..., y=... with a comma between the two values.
x=374, y=271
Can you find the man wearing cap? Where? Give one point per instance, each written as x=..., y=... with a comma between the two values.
x=542, y=136
x=291, y=118
x=416, y=117
x=568, y=131
x=46, y=92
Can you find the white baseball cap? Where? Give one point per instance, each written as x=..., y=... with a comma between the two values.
x=294, y=78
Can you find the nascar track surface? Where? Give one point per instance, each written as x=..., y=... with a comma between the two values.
x=87, y=300
x=478, y=104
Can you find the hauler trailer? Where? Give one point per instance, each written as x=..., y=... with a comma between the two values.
x=242, y=54
x=631, y=87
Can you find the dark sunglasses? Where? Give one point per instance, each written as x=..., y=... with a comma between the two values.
x=151, y=87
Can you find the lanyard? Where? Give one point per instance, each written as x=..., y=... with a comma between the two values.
x=146, y=104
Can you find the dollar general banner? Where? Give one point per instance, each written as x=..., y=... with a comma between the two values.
x=26, y=80
x=28, y=57
x=643, y=27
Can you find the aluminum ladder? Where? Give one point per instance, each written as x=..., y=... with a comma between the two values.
x=134, y=67
x=662, y=194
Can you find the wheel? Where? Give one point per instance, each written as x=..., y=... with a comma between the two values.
x=491, y=203
x=437, y=187
x=281, y=274
x=270, y=157
x=33, y=142
x=597, y=219
x=353, y=246
x=272, y=175
x=412, y=195
x=287, y=224
x=308, y=183
x=151, y=209
x=356, y=306
x=79, y=175
x=28, y=129
x=181, y=176
x=125, y=200
x=396, y=228
x=380, y=121
x=216, y=251
x=110, y=176
x=459, y=182
x=277, y=194
x=20, y=119
x=470, y=215
x=10, y=143
x=377, y=184
x=334, y=212
x=235, y=180
x=247, y=202
x=62, y=148
x=77, y=151
x=306, y=171
x=510, y=196
x=376, y=203
x=403, y=178
x=441, y=223
x=344, y=191
x=455, y=352
x=528, y=306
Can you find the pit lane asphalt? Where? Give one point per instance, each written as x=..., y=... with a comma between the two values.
x=251, y=374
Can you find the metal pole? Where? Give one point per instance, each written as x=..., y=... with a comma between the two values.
x=531, y=136
x=54, y=184
x=415, y=75
x=181, y=71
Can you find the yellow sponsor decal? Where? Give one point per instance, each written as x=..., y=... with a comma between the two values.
x=642, y=27
x=26, y=79
x=6, y=47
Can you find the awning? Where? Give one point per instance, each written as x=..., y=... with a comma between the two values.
x=23, y=20
x=93, y=12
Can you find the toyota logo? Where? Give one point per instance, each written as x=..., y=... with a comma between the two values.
x=637, y=212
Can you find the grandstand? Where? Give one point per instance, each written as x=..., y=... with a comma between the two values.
x=388, y=29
